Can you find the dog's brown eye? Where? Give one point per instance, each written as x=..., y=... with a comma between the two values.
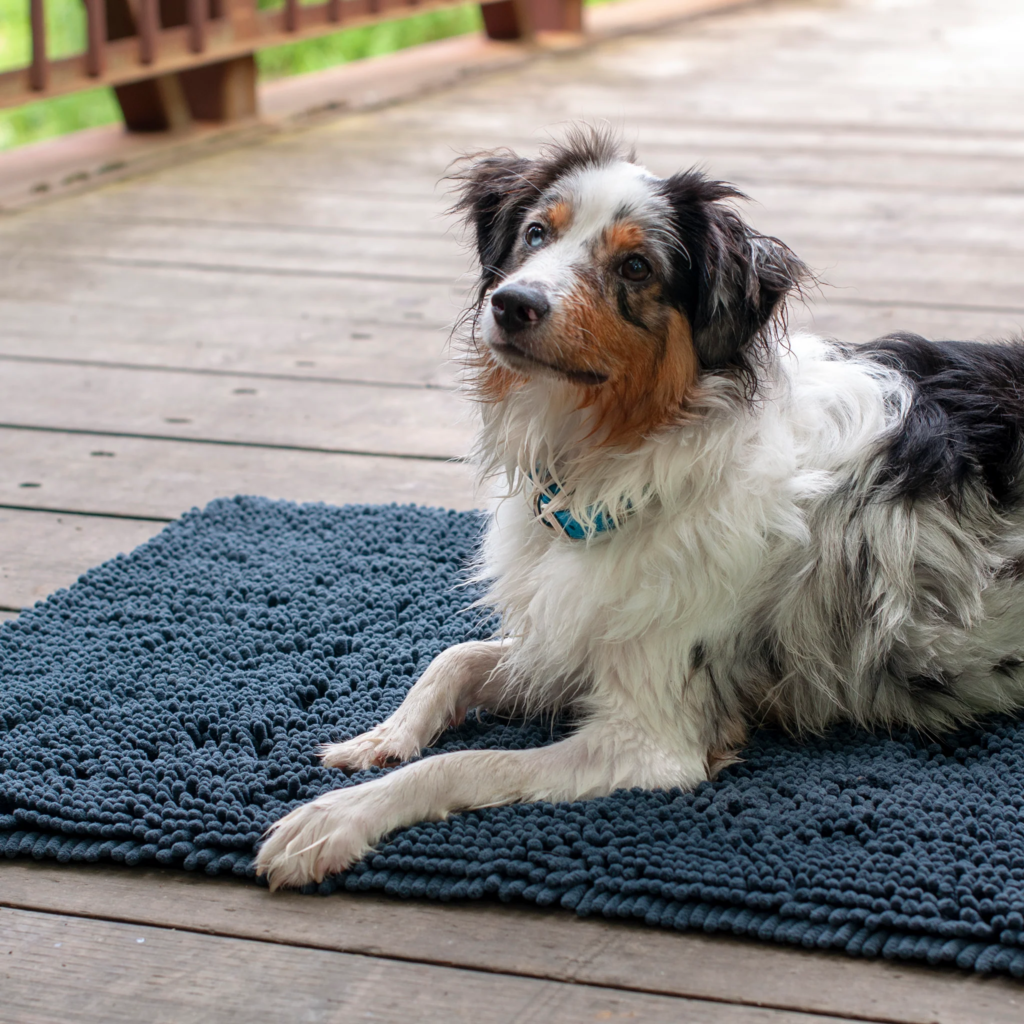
x=636, y=268
x=534, y=235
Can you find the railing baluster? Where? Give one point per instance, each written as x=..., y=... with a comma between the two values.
x=96, y=37
x=39, y=73
x=291, y=15
x=149, y=25
x=198, y=12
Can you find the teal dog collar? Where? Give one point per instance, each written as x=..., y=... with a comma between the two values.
x=562, y=519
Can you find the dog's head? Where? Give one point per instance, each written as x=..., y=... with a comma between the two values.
x=628, y=286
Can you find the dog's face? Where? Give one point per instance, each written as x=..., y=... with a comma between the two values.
x=582, y=291
x=627, y=286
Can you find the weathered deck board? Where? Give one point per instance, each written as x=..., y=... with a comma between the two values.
x=309, y=415
x=522, y=940
x=55, y=967
x=884, y=141
x=292, y=347
x=114, y=475
x=845, y=213
x=186, y=288
x=987, y=272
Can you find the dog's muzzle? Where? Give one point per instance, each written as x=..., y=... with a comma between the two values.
x=519, y=308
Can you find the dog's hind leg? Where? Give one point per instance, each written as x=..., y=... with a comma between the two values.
x=464, y=676
x=330, y=833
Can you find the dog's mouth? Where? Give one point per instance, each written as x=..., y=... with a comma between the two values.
x=517, y=358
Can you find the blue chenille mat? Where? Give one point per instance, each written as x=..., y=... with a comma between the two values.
x=165, y=709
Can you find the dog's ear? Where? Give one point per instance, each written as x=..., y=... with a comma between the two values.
x=734, y=279
x=494, y=191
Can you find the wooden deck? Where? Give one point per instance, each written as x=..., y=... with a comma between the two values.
x=272, y=320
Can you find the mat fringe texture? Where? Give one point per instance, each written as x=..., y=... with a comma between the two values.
x=165, y=709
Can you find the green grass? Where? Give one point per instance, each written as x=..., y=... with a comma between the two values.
x=47, y=118
x=369, y=41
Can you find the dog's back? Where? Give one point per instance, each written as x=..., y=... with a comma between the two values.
x=906, y=603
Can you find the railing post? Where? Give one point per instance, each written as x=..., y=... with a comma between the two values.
x=153, y=104
x=522, y=19
x=147, y=18
x=572, y=16
x=96, y=37
x=198, y=13
x=508, y=19
x=222, y=91
x=39, y=72
x=226, y=90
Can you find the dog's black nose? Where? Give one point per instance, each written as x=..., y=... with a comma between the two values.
x=517, y=307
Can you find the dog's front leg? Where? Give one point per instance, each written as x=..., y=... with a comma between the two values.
x=331, y=833
x=459, y=678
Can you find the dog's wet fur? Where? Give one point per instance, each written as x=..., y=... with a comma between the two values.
x=775, y=526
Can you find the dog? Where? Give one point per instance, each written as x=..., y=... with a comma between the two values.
x=707, y=522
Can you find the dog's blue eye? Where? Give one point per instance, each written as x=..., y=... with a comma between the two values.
x=534, y=235
x=636, y=268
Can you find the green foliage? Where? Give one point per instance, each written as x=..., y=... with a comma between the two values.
x=47, y=118
x=368, y=41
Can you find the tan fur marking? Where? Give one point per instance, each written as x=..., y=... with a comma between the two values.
x=623, y=237
x=650, y=373
x=489, y=382
x=560, y=216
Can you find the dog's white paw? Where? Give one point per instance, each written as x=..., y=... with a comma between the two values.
x=321, y=838
x=389, y=743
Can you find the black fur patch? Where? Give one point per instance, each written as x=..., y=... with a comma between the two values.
x=1008, y=666
x=923, y=687
x=965, y=427
x=729, y=280
x=1012, y=569
x=622, y=300
x=770, y=657
x=698, y=656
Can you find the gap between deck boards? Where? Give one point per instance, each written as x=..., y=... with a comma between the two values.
x=111, y=475
x=230, y=443
x=209, y=371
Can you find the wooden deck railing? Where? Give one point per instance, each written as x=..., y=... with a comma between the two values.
x=174, y=61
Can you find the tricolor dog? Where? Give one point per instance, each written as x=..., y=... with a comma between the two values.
x=706, y=522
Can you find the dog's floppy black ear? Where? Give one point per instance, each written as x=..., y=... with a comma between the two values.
x=494, y=191
x=734, y=279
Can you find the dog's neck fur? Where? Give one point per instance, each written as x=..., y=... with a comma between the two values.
x=544, y=431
